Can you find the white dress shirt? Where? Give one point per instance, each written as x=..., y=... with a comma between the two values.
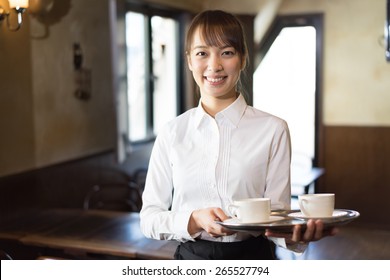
x=199, y=162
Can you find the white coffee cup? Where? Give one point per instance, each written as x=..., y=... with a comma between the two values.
x=251, y=210
x=318, y=205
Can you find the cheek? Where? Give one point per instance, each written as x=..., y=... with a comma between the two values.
x=197, y=72
x=236, y=68
x=235, y=71
x=195, y=66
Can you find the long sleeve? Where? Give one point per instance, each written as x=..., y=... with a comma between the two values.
x=157, y=220
x=278, y=173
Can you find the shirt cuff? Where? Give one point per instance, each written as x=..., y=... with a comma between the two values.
x=181, y=226
x=298, y=248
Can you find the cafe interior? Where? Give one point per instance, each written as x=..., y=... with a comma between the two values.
x=86, y=85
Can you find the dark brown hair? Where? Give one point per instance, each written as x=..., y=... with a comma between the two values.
x=218, y=28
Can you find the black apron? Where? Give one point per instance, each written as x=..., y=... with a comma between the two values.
x=256, y=248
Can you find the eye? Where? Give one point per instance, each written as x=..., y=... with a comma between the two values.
x=200, y=54
x=228, y=53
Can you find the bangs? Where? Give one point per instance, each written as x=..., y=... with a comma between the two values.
x=218, y=29
x=218, y=36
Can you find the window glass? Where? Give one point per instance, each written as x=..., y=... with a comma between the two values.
x=152, y=62
x=284, y=85
x=136, y=76
x=165, y=74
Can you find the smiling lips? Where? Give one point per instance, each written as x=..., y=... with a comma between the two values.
x=215, y=81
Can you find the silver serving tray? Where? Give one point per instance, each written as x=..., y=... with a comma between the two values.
x=290, y=219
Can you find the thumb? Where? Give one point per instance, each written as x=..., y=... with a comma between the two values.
x=219, y=214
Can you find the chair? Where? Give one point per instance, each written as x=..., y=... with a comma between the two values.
x=139, y=177
x=114, y=196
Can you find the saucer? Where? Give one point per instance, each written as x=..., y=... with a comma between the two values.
x=236, y=221
x=281, y=224
x=336, y=214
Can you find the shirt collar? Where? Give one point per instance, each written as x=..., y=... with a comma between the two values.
x=232, y=113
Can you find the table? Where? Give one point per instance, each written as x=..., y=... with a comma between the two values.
x=82, y=232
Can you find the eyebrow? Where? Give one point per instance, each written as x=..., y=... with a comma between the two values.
x=200, y=47
x=205, y=47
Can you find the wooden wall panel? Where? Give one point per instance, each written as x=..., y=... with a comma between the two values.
x=357, y=164
x=66, y=184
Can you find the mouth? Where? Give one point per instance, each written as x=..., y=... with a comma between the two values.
x=215, y=80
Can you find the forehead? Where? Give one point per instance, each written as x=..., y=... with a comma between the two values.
x=197, y=39
x=202, y=38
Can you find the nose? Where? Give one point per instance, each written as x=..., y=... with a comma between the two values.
x=214, y=64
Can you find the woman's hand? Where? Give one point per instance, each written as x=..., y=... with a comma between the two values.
x=314, y=231
x=204, y=219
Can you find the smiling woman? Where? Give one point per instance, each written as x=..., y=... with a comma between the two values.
x=217, y=153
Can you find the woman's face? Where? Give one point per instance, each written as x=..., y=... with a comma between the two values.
x=216, y=70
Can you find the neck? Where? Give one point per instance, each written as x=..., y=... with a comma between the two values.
x=213, y=105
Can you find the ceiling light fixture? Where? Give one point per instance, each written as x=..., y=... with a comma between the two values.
x=19, y=6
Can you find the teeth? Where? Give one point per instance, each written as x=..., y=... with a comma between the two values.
x=214, y=80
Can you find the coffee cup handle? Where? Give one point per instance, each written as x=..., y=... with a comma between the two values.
x=233, y=209
x=301, y=203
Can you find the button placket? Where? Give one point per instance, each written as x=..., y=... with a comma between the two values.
x=213, y=160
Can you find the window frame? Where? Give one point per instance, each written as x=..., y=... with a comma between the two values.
x=179, y=16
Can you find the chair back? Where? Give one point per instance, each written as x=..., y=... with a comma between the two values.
x=114, y=196
x=139, y=177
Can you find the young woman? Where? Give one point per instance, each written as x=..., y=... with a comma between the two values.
x=218, y=152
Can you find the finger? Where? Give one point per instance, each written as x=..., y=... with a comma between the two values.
x=218, y=231
x=330, y=231
x=310, y=229
x=319, y=228
x=218, y=212
x=296, y=236
x=270, y=233
x=223, y=230
x=226, y=231
x=334, y=231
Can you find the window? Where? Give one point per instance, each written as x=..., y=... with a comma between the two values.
x=152, y=62
x=285, y=84
x=287, y=81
